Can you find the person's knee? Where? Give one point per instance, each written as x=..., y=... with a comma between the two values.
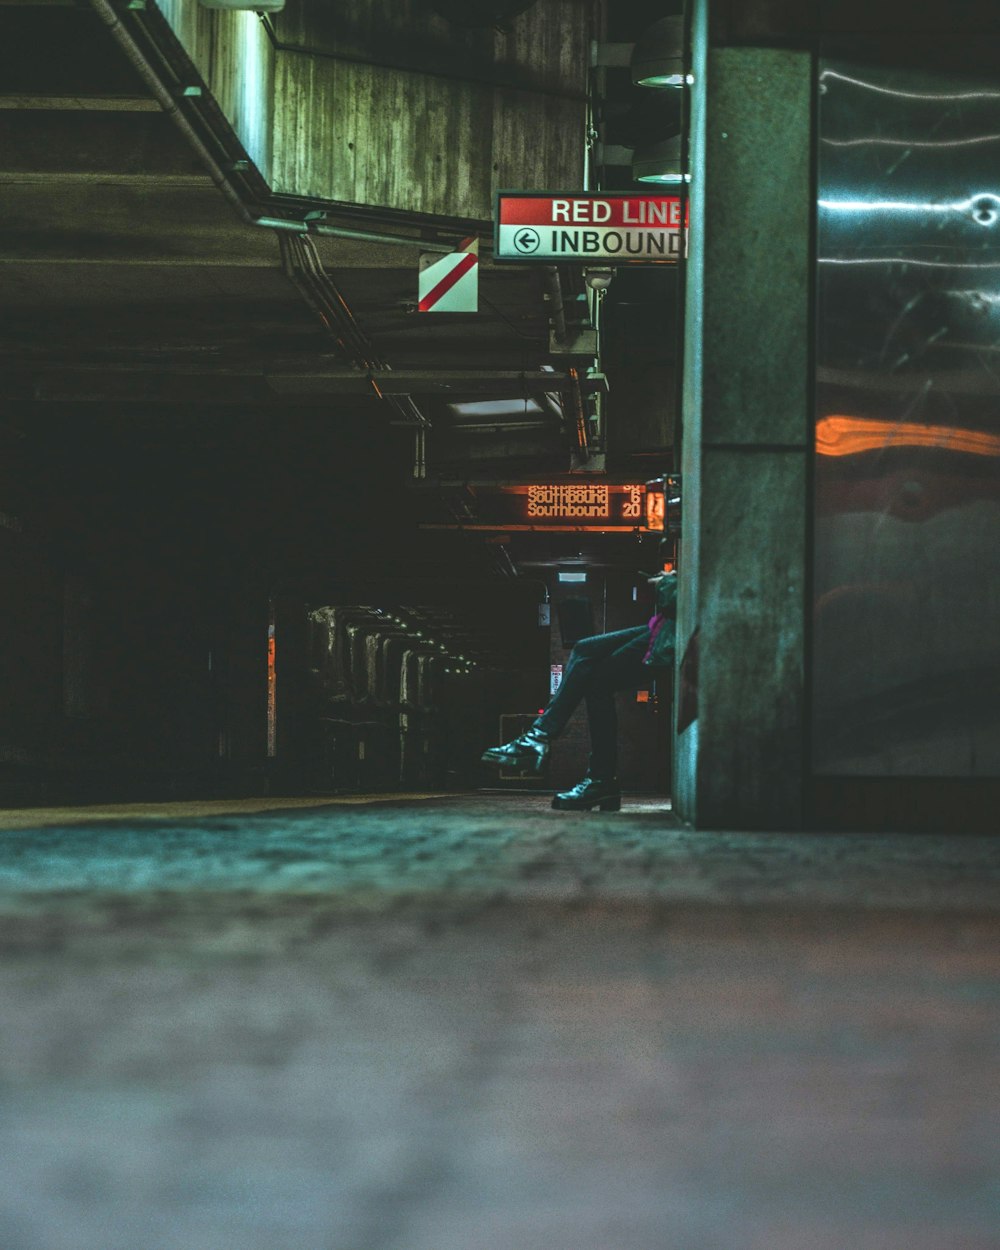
x=585, y=648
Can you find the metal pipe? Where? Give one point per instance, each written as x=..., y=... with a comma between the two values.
x=579, y=412
x=557, y=305
x=290, y=245
x=303, y=267
x=166, y=101
x=367, y=236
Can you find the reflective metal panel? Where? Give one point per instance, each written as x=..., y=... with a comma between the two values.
x=906, y=657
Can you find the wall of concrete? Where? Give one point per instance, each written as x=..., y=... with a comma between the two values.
x=390, y=105
x=233, y=54
x=746, y=417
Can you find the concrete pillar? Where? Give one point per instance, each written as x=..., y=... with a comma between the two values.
x=746, y=434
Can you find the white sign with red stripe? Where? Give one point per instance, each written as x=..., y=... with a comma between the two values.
x=450, y=283
x=588, y=227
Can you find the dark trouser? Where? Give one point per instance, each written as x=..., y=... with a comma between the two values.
x=597, y=668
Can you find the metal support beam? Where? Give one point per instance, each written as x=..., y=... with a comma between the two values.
x=741, y=763
x=449, y=382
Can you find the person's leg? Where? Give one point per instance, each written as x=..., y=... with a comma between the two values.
x=622, y=670
x=586, y=659
x=589, y=658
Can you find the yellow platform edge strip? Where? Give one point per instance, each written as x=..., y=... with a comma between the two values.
x=39, y=817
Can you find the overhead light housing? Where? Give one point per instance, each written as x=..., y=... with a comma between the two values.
x=658, y=56
x=512, y=407
x=659, y=162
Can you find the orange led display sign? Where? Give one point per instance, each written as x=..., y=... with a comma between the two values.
x=602, y=507
x=588, y=501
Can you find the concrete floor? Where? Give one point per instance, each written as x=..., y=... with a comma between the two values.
x=477, y=1024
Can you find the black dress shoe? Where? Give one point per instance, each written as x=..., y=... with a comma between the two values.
x=531, y=749
x=588, y=794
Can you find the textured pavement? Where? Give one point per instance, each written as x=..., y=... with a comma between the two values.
x=477, y=1024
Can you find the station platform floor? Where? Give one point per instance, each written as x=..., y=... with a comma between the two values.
x=472, y=1023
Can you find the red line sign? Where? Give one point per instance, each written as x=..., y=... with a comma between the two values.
x=589, y=227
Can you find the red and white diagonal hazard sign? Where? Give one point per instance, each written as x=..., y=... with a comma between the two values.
x=451, y=283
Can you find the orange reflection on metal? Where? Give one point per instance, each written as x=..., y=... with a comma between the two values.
x=581, y=416
x=850, y=436
x=272, y=688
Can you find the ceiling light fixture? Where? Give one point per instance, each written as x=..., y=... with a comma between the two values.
x=659, y=162
x=658, y=56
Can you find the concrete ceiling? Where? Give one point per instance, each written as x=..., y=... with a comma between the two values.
x=144, y=325
x=127, y=279
x=139, y=312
